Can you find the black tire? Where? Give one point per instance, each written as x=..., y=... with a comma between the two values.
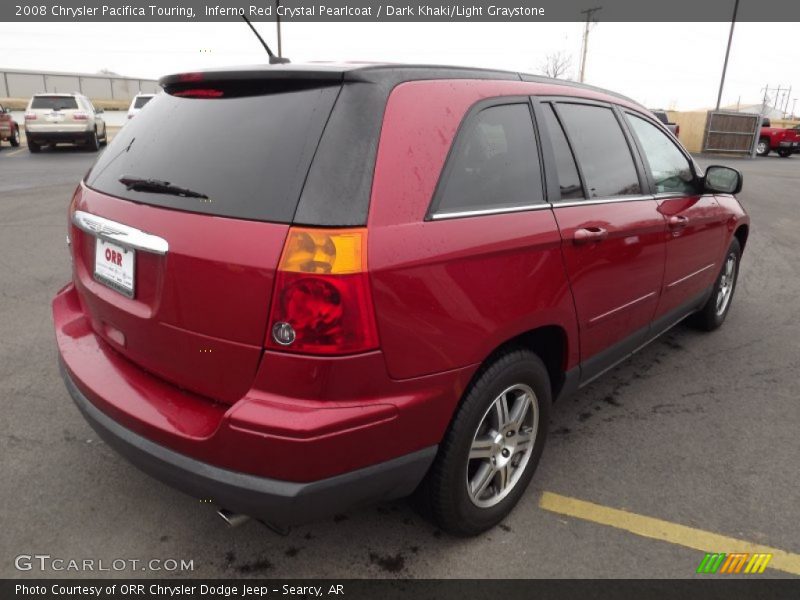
x=33, y=147
x=15, y=137
x=710, y=317
x=443, y=495
x=784, y=152
x=104, y=140
x=762, y=149
x=93, y=143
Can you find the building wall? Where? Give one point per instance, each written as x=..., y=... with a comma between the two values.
x=23, y=84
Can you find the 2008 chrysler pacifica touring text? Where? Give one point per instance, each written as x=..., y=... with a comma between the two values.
x=377, y=281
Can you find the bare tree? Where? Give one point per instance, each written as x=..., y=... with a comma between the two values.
x=556, y=65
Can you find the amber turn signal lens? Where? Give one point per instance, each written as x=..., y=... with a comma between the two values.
x=325, y=251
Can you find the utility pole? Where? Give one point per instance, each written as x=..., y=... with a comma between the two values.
x=588, y=12
x=278, y=21
x=727, y=53
x=794, y=104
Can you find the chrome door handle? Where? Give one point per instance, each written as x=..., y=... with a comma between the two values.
x=586, y=235
x=678, y=221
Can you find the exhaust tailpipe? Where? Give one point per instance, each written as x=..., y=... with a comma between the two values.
x=231, y=518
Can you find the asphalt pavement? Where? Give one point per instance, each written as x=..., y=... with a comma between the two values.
x=697, y=430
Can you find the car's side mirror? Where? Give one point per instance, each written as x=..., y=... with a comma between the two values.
x=722, y=180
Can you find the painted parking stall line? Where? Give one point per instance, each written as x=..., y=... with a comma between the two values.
x=666, y=531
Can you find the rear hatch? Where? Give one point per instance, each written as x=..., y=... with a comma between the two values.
x=56, y=110
x=178, y=228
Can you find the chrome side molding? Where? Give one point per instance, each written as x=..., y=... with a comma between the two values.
x=124, y=235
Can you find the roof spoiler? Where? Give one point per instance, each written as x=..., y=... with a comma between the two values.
x=260, y=72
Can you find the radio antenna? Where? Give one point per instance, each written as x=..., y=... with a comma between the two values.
x=273, y=60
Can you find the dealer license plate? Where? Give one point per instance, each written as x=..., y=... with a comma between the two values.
x=114, y=266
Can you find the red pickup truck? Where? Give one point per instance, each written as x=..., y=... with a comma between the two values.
x=784, y=141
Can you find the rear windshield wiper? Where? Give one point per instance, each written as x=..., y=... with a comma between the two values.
x=156, y=186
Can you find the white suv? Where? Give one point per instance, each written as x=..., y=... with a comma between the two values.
x=138, y=103
x=63, y=118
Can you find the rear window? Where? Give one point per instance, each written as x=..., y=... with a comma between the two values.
x=54, y=103
x=141, y=101
x=243, y=148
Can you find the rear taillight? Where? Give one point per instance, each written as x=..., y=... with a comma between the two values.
x=322, y=302
x=80, y=116
x=677, y=130
x=30, y=116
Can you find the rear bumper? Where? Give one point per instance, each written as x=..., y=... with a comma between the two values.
x=43, y=136
x=277, y=502
x=309, y=438
x=793, y=147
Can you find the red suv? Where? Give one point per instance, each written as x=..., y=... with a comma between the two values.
x=377, y=281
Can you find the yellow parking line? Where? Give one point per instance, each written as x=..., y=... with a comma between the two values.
x=665, y=531
x=15, y=152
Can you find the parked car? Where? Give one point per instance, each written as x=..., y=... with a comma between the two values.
x=138, y=102
x=401, y=268
x=64, y=118
x=9, y=129
x=784, y=141
x=663, y=116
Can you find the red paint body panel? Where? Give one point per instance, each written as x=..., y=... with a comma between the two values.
x=616, y=281
x=695, y=245
x=200, y=312
x=441, y=288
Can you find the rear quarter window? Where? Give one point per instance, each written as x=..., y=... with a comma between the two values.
x=494, y=163
x=246, y=148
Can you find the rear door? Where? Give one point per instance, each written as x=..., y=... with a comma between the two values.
x=695, y=221
x=178, y=228
x=612, y=231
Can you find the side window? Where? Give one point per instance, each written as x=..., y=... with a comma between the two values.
x=670, y=168
x=494, y=163
x=568, y=179
x=601, y=149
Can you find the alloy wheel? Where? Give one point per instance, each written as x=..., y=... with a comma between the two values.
x=502, y=445
x=726, y=282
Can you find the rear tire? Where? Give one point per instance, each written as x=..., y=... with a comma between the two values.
x=762, y=148
x=15, y=137
x=784, y=153
x=93, y=144
x=33, y=147
x=492, y=447
x=713, y=313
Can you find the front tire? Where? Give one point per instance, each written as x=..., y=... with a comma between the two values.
x=713, y=313
x=762, y=148
x=492, y=447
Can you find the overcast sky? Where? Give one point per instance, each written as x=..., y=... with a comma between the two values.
x=669, y=65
